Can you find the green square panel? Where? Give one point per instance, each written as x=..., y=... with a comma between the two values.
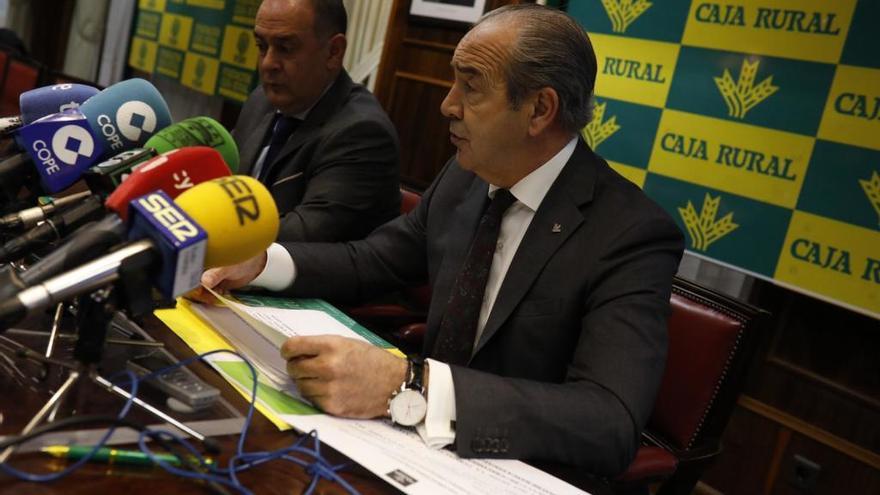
x=784, y=94
x=862, y=43
x=653, y=20
x=843, y=183
x=753, y=244
x=634, y=127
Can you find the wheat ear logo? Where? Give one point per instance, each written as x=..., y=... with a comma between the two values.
x=597, y=131
x=742, y=95
x=623, y=12
x=872, y=190
x=702, y=226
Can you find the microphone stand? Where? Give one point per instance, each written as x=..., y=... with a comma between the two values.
x=131, y=291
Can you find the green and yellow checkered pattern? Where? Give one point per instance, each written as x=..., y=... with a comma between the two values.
x=756, y=124
x=205, y=44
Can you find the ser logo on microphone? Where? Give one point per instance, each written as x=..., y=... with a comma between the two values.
x=69, y=143
x=169, y=216
x=246, y=206
x=133, y=118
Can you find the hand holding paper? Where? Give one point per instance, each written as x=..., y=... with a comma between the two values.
x=344, y=377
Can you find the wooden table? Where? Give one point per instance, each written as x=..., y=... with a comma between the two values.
x=18, y=403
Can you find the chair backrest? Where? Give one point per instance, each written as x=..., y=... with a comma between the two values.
x=21, y=75
x=408, y=200
x=418, y=296
x=711, y=339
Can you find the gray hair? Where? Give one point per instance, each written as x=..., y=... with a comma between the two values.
x=552, y=50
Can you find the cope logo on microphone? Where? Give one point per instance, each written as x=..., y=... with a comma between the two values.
x=69, y=143
x=133, y=118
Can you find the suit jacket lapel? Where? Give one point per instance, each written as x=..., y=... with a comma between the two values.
x=463, y=225
x=250, y=149
x=572, y=189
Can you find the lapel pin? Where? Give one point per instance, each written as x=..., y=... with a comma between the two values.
x=557, y=228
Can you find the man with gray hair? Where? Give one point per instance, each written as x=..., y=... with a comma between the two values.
x=551, y=273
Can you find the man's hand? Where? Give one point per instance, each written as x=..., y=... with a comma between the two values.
x=342, y=376
x=226, y=278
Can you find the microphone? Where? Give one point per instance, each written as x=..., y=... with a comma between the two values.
x=173, y=173
x=63, y=145
x=40, y=102
x=106, y=176
x=54, y=228
x=169, y=243
x=197, y=131
x=29, y=217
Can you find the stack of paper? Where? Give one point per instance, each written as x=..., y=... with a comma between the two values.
x=257, y=326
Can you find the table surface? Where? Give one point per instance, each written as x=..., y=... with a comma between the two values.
x=19, y=402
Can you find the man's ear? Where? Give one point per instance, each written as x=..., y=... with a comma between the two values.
x=545, y=107
x=336, y=44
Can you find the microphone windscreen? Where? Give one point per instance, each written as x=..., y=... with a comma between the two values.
x=126, y=114
x=172, y=172
x=197, y=131
x=239, y=215
x=37, y=103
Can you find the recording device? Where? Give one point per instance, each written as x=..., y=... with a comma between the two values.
x=197, y=131
x=40, y=102
x=179, y=383
x=169, y=244
x=62, y=146
x=173, y=173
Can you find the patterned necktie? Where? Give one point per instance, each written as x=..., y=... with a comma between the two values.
x=284, y=127
x=458, y=328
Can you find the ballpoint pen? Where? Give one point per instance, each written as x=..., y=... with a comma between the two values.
x=111, y=456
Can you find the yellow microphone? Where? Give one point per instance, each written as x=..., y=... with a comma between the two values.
x=237, y=212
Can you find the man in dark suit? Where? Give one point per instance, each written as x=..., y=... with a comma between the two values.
x=321, y=143
x=546, y=333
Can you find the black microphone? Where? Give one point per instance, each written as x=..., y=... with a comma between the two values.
x=57, y=226
x=30, y=217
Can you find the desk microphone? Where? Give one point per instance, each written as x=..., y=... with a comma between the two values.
x=173, y=173
x=168, y=243
x=40, y=102
x=62, y=146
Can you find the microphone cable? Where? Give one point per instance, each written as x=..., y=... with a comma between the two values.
x=314, y=464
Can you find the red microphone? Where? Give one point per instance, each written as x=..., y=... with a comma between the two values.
x=171, y=172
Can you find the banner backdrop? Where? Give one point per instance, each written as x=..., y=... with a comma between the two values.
x=756, y=124
x=205, y=44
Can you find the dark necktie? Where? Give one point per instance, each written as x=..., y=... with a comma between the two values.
x=284, y=127
x=458, y=328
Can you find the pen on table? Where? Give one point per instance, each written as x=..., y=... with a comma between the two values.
x=112, y=456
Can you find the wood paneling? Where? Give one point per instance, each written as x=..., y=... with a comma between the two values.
x=414, y=77
x=424, y=139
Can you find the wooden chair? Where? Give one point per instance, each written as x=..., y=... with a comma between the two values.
x=712, y=338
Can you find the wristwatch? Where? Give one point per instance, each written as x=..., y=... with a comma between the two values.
x=408, y=405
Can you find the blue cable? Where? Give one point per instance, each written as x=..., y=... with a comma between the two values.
x=24, y=475
x=318, y=467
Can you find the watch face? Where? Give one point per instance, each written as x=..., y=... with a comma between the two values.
x=408, y=408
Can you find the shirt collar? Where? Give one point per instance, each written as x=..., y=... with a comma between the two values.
x=531, y=189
